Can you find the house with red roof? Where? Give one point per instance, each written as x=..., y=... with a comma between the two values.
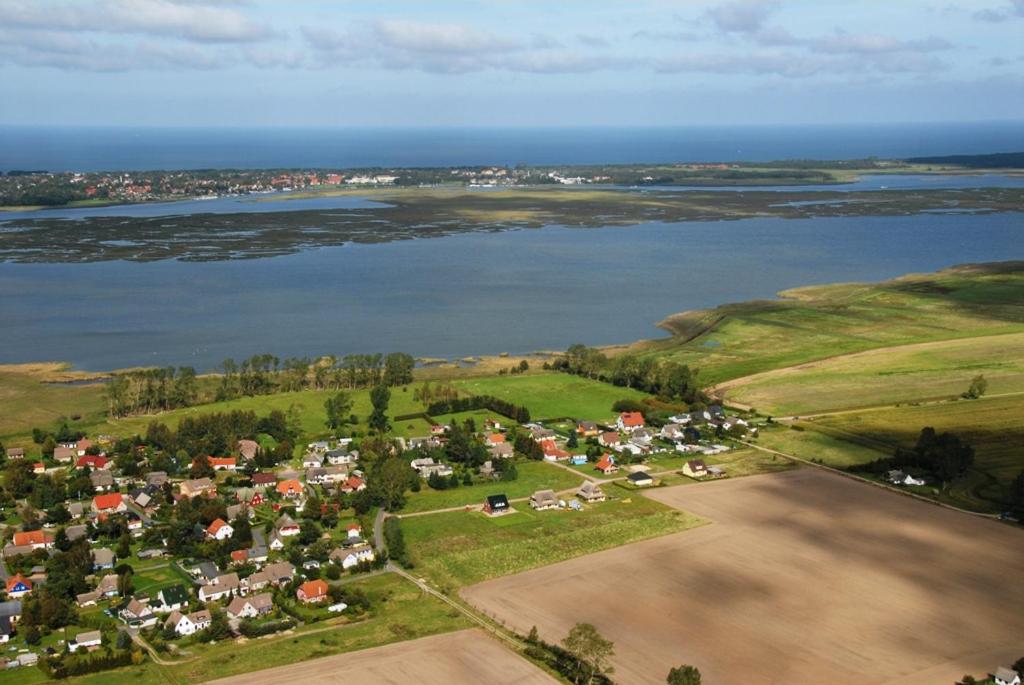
x=553, y=452
x=629, y=421
x=222, y=463
x=290, y=488
x=37, y=539
x=18, y=586
x=110, y=503
x=353, y=484
x=38, y=467
x=312, y=591
x=220, y=530
x=92, y=461
x=606, y=464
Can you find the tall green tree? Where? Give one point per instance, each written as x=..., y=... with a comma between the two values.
x=380, y=395
x=339, y=408
x=592, y=651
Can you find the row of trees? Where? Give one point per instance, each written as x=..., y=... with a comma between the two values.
x=264, y=374
x=517, y=413
x=151, y=390
x=667, y=379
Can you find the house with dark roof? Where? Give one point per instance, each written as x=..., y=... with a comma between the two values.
x=640, y=479
x=496, y=505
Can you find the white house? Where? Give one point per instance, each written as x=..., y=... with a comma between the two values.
x=93, y=638
x=1006, y=676
x=220, y=530
x=351, y=557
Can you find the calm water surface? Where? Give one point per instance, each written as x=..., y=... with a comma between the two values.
x=477, y=293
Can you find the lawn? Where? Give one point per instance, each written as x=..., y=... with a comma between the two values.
x=461, y=548
x=991, y=425
x=533, y=476
x=818, y=322
x=553, y=395
x=816, y=446
x=28, y=401
x=888, y=376
x=403, y=613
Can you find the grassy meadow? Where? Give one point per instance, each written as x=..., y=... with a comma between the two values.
x=550, y=396
x=992, y=425
x=887, y=376
x=462, y=548
x=533, y=476
x=818, y=322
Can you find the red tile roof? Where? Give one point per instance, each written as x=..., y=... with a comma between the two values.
x=313, y=589
x=33, y=537
x=17, y=578
x=95, y=462
x=109, y=501
x=632, y=419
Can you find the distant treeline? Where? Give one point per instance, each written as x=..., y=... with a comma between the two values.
x=148, y=391
x=265, y=374
x=998, y=160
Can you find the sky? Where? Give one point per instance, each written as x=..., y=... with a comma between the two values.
x=318, y=63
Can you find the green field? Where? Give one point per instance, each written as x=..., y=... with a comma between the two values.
x=403, y=613
x=814, y=446
x=818, y=322
x=992, y=425
x=553, y=395
x=461, y=548
x=533, y=476
x=888, y=376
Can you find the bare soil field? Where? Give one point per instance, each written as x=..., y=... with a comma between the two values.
x=466, y=656
x=802, y=576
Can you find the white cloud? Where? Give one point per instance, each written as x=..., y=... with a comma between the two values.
x=189, y=21
x=742, y=16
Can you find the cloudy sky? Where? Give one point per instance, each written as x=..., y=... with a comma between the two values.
x=505, y=62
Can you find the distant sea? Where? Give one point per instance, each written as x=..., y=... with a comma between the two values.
x=98, y=149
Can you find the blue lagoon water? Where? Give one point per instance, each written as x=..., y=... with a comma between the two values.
x=476, y=293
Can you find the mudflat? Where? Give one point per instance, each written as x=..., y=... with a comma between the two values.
x=802, y=576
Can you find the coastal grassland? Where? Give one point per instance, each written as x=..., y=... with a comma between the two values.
x=888, y=375
x=553, y=395
x=402, y=612
x=814, y=445
x=533, y=476
x=992, y=425
x=460, y=548
x=819, y=322
x=35, y=395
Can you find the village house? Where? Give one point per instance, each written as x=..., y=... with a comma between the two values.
x=197, y=487
x=630, y=421
x=587, y=429
x=501, y=451
x=291, y=488
x=111, y=503
x=606, y=464
x=543, y=500
x=897, y=477
x=18, y=586
x=137, y=615
x=102, y=558
x=174, y=598
x=36, y=539
x=156, y=478
x=312, y=591
x=496, y=505
x=88, y=599
x=353, y=484
x=253, y=606
x=92, y=461
x=64, y=455
x=1006, y=676
x=220, y=530
x=220, y=587
x=222, y=463
x=695, y=468
x=263, y=480
x=248, y=449
x=352, y=557
x=590, y=492
x=102, y=481
x=609, y=439
x=494, y=439
x=540, y=433
x=553, y=452
x=15, y=452
x=340, y=457
x=88, y=641
x=286, y=526
x=640, y=479
x=312, y=461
